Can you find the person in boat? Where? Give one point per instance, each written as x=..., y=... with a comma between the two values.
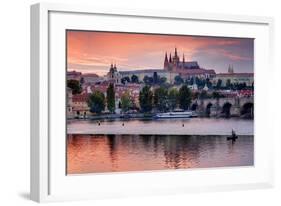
x=233, y=134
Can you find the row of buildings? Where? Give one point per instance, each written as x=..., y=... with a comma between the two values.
x=173, y=66
x=77, y=105
x=187, y=70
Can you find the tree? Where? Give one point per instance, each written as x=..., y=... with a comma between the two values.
x=96, y=102
x=203, y=95
x=134, y=79
x=155, y=78
x=178, y=80
x=75, y=86
x=145, y=99
x=82, y=80
x=161, y=99
x=184, y=97
x=191, y=82
x=240, y=86
x=126, y=102
x=125, y=80
x=209, y=83
x=148, y=80
x=195, y=95
x=162, y=80
x=200, y=82
x=228, y=84
x=110, y=98
x=216, y=95
x=219, y=82
x=173, y=98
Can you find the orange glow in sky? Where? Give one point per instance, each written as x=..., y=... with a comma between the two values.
x=93, y=52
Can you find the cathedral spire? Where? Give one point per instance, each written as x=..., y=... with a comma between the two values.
x=230, y=69
x=170, y=58
x=176, y=52
x=166, y=57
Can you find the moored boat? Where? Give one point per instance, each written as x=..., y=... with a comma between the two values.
x=185, y=114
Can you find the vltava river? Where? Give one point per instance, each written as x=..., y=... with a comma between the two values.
x=138, y=145
x=192, y=126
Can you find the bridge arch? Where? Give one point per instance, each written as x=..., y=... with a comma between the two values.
x=208, y=109
x=194, y=106
x=247, y=110
x=226, y=109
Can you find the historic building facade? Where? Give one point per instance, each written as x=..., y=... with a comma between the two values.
x=114, y=74
x=186, y=69
x=170, y=76
x=233, y=77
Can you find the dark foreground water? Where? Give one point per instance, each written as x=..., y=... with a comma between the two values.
x=110, y=153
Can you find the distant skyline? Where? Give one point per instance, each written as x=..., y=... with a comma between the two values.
x=93, y=52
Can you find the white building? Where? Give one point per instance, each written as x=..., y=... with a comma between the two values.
x=233, y=77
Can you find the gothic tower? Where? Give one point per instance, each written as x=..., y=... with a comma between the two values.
x=176, y=58
x=166, y=62
x=230, y=69
x=170, y=58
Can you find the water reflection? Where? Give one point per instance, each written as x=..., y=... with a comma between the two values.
x=109, y=153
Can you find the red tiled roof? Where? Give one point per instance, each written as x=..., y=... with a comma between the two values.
x=101, y=88
x=80, y=98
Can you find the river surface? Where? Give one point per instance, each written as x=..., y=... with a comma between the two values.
x=138, y=145
x=191, y=126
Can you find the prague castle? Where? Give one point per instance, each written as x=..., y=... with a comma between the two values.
x=186, y=68
x=173, y=67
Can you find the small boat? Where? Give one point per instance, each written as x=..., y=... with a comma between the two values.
x=194, y=114
x=186, y=114
x=233, y=137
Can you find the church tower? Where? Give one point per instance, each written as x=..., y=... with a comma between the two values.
x=230, y=69
x=170, y=58
x=166, y=62
x=176, y=58
x=111, y=71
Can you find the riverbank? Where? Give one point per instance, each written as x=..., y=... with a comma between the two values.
x=146, y=116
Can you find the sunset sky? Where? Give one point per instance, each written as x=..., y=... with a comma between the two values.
x=93, y=52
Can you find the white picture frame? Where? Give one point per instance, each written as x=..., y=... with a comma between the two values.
x=49, y=183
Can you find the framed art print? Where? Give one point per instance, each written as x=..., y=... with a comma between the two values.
x=130, y=102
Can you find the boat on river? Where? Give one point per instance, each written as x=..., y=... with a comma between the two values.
x=176, y=114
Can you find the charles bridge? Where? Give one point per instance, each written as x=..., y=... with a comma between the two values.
x=225, y=107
